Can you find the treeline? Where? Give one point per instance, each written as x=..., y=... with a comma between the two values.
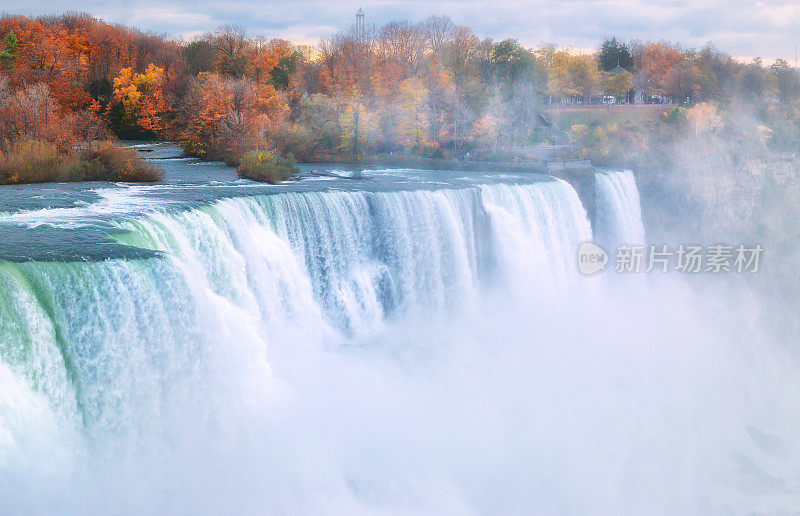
x=431, y=88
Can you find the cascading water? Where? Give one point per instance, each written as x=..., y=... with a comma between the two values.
x=111, y=343
x=347, y=351
x=617, y=211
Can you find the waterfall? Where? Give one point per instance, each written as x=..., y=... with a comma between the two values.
x=617, y=211
x=114, y=345
x=426, y=350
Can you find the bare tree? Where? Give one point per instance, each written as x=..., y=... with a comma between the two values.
x=230, y=43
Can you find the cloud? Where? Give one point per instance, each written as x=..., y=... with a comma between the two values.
x=743, y=28
x=169, y=16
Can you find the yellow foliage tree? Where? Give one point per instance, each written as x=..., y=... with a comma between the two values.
x=618, y=84
x=703, y=117
x=353, y=136
x=142, y=96
x=572, y=75
x=413, y=126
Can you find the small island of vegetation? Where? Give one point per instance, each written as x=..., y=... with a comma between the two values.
x=262, y=165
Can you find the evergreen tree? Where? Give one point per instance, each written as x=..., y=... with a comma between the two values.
x=613, y=54
x=8, y=57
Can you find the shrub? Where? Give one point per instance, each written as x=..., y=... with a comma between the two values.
x=108, y=162
x=260, y=165
x=36, y=161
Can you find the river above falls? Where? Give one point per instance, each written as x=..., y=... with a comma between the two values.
x=74, y=221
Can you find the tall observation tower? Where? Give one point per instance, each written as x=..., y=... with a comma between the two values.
x=361, y=34
x=360, y=27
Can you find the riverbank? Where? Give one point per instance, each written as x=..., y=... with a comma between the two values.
x=551, y=157
x=411, y=161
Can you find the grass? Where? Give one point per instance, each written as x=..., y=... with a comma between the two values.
x=592, y=116
x=32, y=161
x=35, y=161
x=265, y=166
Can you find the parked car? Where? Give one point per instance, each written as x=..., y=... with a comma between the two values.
x=658, y=99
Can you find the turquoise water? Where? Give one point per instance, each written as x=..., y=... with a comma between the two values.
x=74, y=221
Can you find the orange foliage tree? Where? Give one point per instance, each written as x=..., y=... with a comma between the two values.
x=228, y=116
x=139, y=101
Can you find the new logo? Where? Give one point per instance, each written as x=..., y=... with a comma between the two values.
x=591, y=258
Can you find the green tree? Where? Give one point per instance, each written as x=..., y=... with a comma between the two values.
x=198, y=57
x=282, y=73
x=8, y=57
x=511, y=60
x=613, y=54
x=786, y=80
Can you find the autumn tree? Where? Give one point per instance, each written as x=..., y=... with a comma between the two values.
x=282, y=72
x=227, y=116
x=618, y=84
x=656, y=65
x=353, y=120
x=683, y=81
x=703, y=117
x=273, y=61
x=33, y=113
x=413, y=124
x=316, y=130
x=139, y=107
x=264, y=56
x=429, y=87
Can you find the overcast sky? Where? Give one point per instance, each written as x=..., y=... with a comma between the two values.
x=769, y=29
